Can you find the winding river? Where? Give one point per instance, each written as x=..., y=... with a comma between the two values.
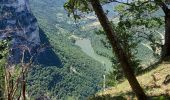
x=85, y=45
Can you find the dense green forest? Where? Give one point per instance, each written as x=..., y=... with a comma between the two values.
x=84, y=49
x=62, y=80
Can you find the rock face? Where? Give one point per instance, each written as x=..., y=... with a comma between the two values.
x=17, y=17
x=18, y=23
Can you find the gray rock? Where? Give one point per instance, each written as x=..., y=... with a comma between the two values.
x=18, y=23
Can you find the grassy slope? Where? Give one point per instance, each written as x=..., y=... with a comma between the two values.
x=152, y=87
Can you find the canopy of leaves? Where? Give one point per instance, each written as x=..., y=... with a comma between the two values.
x=3, y=48
x=74, y=6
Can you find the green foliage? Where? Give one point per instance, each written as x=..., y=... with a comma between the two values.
x=2, y=78
x=144, y=18
x=72, y=5
x=3, y=48
x=61, y=82
x=132, y=17
x=3, y=53
x=129, y=43
x=139, y=13
x=101, y=45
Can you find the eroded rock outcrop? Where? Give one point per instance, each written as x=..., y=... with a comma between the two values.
x=17, y=19
x=18, y=23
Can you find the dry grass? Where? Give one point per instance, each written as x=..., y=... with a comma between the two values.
x=152, y=82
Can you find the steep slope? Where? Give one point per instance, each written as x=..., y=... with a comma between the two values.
x=18, y=23
x=155, y=82
x=62, y=69
x=80, y=75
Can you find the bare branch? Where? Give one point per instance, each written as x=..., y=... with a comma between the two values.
x=12, y=88
x=110, y=1
x=127, y=3
x=163, y=6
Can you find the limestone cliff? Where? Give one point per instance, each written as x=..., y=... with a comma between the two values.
x=18, y=23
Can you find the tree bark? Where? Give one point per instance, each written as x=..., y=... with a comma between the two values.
x=166, y=47
x=121, y=55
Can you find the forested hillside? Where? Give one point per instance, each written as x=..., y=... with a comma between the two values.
x=84, y=49
x=79, y=75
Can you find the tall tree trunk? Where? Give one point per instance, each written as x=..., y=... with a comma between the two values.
x=2, y=83
x=166, y=47
x=23, y=85
x=122, y=56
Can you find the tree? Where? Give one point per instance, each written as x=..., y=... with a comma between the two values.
x=130, y=44
x=74, y=5
x=12, y=81
x=147, y=8
x=3, y=53
x=15, y=78
x=166, y=10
